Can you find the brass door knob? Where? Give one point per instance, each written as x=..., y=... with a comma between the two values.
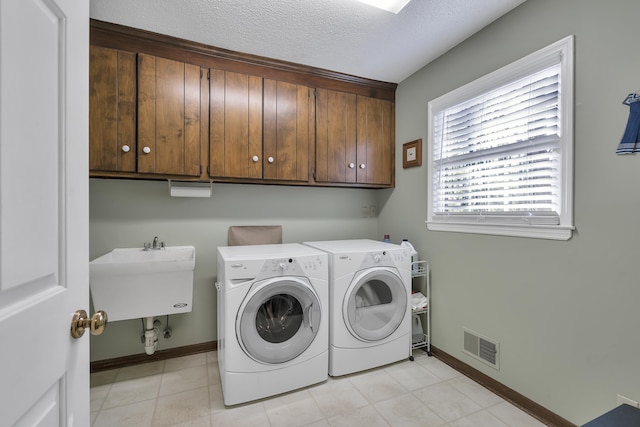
x=81, y=321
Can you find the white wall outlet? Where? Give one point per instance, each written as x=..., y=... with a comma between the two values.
x=365, y=211
x=373, y=211
x=622, y=399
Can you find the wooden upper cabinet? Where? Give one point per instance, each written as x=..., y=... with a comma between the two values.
x=112, y=110
x=288, y=125
x=168, y=117
x=355, y=139
x=154, y=114
x=376, y=142
x=235, y=125
x=258, y=128
x=336, y=134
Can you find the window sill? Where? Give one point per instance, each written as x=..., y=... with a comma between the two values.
x=555, y=232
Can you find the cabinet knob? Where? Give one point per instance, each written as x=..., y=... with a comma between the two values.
x=126, y=148
x=362, y=166
x=352, y=165
x=255, y=159
x=146, y=150
x=270, y=159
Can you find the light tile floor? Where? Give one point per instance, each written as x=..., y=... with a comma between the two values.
x=186, y=391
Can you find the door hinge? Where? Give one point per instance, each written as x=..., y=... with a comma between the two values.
x=200, y=170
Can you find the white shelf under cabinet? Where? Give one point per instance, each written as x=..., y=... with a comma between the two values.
x=420, y=283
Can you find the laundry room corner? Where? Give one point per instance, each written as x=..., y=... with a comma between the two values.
x=128, y=213
x=561, y=310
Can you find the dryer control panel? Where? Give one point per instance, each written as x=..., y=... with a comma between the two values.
x=343, y=264
x=394, y=258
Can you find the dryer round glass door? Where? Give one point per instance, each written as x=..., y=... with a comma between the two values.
x=375, y=304
x=278, y=319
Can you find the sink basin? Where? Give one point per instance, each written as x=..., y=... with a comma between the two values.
x=130, y=283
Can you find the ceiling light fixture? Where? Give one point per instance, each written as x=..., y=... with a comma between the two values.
x=393, y=6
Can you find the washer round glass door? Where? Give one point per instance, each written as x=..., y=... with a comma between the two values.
x=375, y=304
x=278, y=319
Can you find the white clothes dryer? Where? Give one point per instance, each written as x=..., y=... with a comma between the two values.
x=272, y=319
x=369, y=310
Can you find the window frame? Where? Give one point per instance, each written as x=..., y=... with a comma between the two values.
x=561, y=51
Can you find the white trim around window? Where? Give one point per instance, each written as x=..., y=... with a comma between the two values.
x=500, y=150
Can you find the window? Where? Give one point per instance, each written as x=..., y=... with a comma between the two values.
x=501, y=150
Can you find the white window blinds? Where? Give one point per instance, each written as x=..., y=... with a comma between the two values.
x=497, y=154
x=500, y=148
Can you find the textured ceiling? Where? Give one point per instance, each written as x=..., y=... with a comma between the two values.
x=339, y=35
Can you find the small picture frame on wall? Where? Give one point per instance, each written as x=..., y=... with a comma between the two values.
x=412, y=154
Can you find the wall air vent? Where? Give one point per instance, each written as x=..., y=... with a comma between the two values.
x=482, y=348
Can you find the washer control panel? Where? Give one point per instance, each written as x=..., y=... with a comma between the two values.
x=315, y=266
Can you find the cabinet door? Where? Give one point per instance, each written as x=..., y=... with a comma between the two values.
x=287, y=127
x=376, y=141
x=168, y=116
x=112, y=110
x=335, y=159
x=235, y=120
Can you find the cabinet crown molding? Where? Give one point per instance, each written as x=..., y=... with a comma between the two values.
x=122, y=37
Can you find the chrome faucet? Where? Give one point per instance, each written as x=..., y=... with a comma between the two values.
x=155, y=245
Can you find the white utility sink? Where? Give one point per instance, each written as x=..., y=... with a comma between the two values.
x=130, y=283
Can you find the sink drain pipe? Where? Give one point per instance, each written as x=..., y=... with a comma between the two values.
x=150, y=336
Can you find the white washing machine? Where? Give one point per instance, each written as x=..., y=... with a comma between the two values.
x=369, y=304
x=272, y=319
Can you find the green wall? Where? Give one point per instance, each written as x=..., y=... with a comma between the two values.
x=125, y=213
x=566, y=313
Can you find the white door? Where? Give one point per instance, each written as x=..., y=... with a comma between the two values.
x=44, y=265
